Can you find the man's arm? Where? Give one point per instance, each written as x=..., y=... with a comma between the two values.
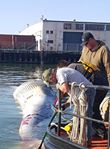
x=106, y=62
x=64, y=87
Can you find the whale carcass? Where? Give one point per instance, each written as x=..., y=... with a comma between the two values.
x=35, y=99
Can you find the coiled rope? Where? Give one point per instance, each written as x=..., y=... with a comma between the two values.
x=79, y=99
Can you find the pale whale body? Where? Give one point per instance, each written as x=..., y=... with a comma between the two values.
x=35, y=99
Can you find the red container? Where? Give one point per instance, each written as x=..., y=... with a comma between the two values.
x=5, y=41
x=17, y=41
x=24, y=41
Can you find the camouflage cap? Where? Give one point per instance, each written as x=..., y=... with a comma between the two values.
x=46, y=74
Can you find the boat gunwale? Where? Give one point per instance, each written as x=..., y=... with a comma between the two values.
x=60, y=139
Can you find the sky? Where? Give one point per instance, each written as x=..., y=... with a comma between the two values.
x=15, y=15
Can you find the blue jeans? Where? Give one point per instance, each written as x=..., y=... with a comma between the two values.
x=90, y=97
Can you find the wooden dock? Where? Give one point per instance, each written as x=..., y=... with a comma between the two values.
x=29, y=56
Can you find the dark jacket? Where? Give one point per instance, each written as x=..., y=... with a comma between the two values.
x=100, y=57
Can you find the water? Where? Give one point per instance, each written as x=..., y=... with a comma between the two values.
x=12, y=75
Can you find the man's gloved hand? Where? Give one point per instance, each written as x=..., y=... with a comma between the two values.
x=62, y=107
x=57, y=86
x=104, y=108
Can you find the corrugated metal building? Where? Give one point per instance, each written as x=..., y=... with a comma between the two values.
x=8, y=41
x=66, y=35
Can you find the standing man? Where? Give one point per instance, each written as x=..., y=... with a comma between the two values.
x=96, y=53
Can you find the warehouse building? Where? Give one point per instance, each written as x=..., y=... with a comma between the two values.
x=66, y=36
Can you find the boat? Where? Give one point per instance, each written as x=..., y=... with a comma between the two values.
x=35, y=99
x=58, y=132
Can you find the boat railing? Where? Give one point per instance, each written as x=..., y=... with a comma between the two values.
x=60, y=111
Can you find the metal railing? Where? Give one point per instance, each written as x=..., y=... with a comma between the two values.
x=60, y=112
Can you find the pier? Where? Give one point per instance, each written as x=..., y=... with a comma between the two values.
x=37, y=57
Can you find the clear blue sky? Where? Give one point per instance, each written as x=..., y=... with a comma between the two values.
x=16, y=14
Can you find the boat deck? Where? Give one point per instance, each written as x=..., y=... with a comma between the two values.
x=97, y=143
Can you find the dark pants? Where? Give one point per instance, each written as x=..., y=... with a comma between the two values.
x=100, y=128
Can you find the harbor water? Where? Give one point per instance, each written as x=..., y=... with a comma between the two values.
x=11, y=76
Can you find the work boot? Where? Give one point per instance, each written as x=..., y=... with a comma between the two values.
x=101, y=132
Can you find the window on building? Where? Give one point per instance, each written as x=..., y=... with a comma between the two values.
x=51, y=48
x=67, y=26
x=47, y=31
x=97, y=27
x=37, y=43
x=79, y=26
x=50, y=41
x=51, y=32
x=107, y=27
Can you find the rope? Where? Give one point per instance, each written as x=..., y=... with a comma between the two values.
x=78, y=98
x=74, y=99
x=83, y=109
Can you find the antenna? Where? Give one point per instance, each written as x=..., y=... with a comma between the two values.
x=42, y=17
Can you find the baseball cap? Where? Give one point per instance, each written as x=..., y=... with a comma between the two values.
x=85, y=37
x=46, y=74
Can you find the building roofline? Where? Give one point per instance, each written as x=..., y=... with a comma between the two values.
x=63, y=21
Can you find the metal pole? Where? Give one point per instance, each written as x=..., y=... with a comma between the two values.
x=41, y=58
x=13, y=41
x=109, y=125
x=59, y=114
